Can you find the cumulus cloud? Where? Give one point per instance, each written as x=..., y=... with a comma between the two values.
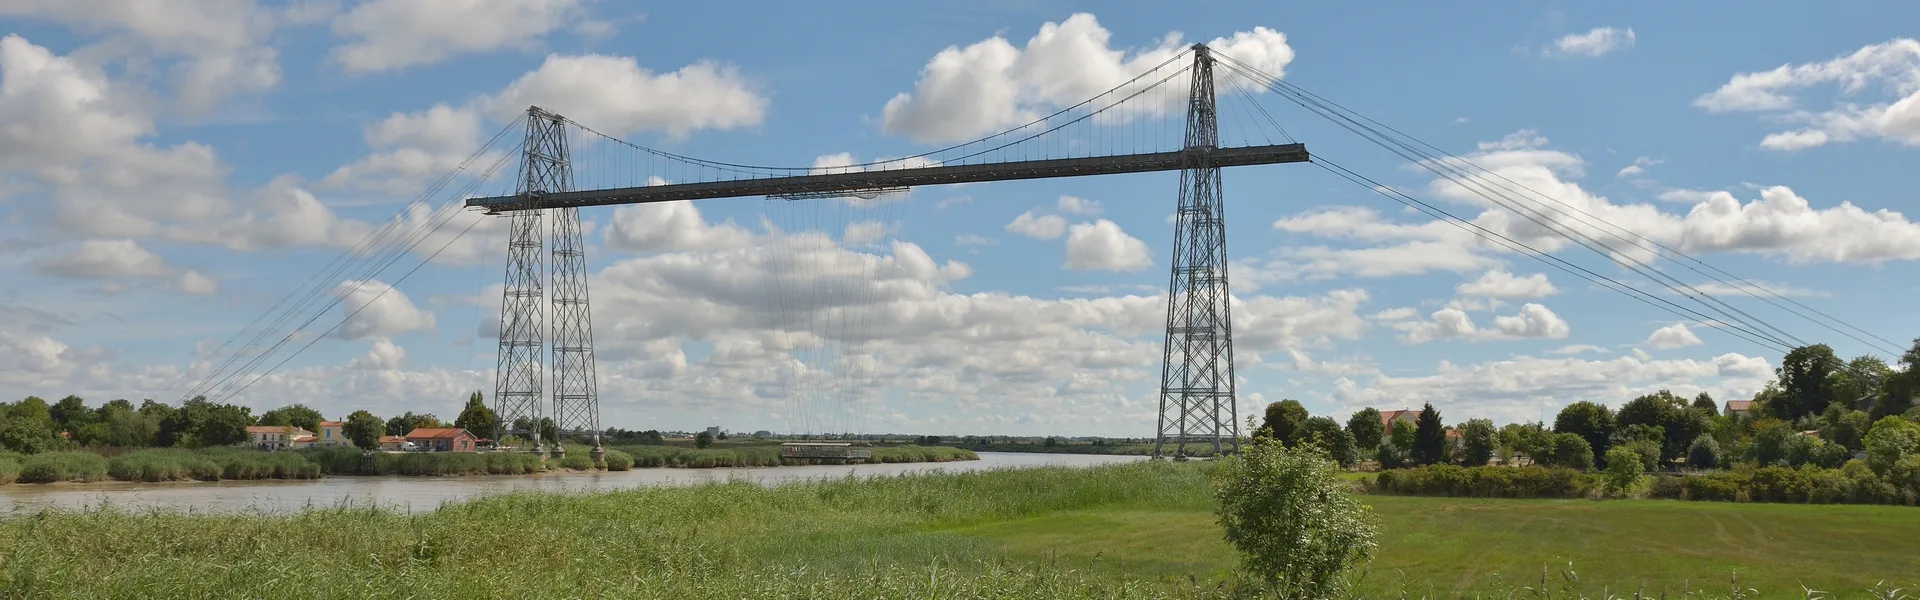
x=388, y=35
x=968, y=239
x=1103, y=246
x=617, y=96
x=1673, y=336
x=1525, y=388
x=208, y=50
x=1596, y=42
x=196, y=283
x=1502, y=284
x=991, y=85
x=1892, y=68
x=1534, y=321
x=670, y=226
x=1075, y=205
x=1039, y=227
x=100, y=259
x=413, y=149
x=378, y=310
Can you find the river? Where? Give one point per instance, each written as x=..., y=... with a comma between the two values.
x=427, y=493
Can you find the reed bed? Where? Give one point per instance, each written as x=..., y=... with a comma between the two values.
x=9, y=467
x=164, y=465
x=769, y=456
x=49, y=467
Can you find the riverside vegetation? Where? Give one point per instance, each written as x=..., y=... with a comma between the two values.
x=1142, y=530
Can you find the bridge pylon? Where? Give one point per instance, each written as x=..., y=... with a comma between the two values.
x=1197, y=401
x=520, y=385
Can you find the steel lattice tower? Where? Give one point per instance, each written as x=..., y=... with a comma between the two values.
x=1196, y=374
x=546, y=167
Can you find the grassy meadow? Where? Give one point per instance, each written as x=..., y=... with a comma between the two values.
x=1141, y=530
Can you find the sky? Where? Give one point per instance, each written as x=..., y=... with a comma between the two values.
x=169, y=170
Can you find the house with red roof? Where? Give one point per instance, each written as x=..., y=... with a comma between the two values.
x=1389, y=417
x=275, y=437
x=332, y=434
x=443, y=439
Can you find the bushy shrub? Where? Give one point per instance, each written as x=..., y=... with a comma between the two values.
x=1667, y=487
x=1485, y=482
x=577, y=462
x=1285, y=511
x=1704, y=453
x=48, y=467
x=619, y=461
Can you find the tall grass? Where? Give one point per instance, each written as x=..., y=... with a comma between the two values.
x=9, y=467
x=163, y=465
x=49, y=467
x=769, y=456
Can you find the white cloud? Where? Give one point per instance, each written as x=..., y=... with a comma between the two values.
x=1577, y=349
x=1781, y=222
x=1638, y=168
x=968, y=239
x=670, y=226
x=1102, y=246
x=196, y=283
x=864, y=233
x=1534, y=321
x=991, y=85
x=1893, y=66
x=388, y=35
x=1075, y=205
x=101, y=259
x=207, y=49
x=384, y=355
x=1596, y=42
x=378, y=311
x=412, y=150
x=1503, y=284
x=615, y=95
x=1673, y=336
x=1039, y=227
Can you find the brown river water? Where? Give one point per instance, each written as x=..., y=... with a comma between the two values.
x=427, y=493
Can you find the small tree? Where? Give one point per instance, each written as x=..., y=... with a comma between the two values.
x=1704, y=453
x=363, y=429
x=476, y=418
x=1623, y=469
x=297, y=415
x=1571, y=451
x=702, y=439
x=1296, y=529
x=1285, y=421
x=1479, y=441
x=1326, y=434
x=1429, y=437
x=1366, y=428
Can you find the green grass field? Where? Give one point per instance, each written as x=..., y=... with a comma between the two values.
x=1141, y=530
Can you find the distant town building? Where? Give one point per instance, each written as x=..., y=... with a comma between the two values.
x=393, y=443
x=1389, y=417
x=443, y=439
x=1738, y=408
x=332, y=434
x=713, y=431
x=276, y=437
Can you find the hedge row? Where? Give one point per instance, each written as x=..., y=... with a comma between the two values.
x=1485, y=482
x=1851, y=484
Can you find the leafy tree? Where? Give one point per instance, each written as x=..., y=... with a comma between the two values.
x=1806, y=376
x=1429, y=437
x=1705, y=404
x=1643, y=441
x=1570, y=451
x=32, y=408
x=1295, y=528
x=1285, y=420
x=1479, y=441
x=1366, y=428
x=702, y=439
x=408, y=422
x=1769, y=444
x=297, y=415
x=158, y=412
x=1530, y=439
x=1860, y=378
x=1623, y=469
x=1592, y=422
x=1845, y=427
x=477, y=418
x=1704, y=453
x=1326, y=434
x=71, y=413
x=28, y=435
x=364, y=430
x=1891, y=440
x=548, y=431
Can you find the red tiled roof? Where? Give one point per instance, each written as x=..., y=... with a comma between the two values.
x=305, y=438
x=333, y=423
x=1733, y=405
x=1388, y=416
x=268, y=429
x=436, y=433
x=392, y=439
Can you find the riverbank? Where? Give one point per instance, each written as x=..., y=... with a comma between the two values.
x=1138, y=530
x=223, y=464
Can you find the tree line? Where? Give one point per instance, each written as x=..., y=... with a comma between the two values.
x=1819, y=410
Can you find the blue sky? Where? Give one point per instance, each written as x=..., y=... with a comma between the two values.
x=165, y=176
